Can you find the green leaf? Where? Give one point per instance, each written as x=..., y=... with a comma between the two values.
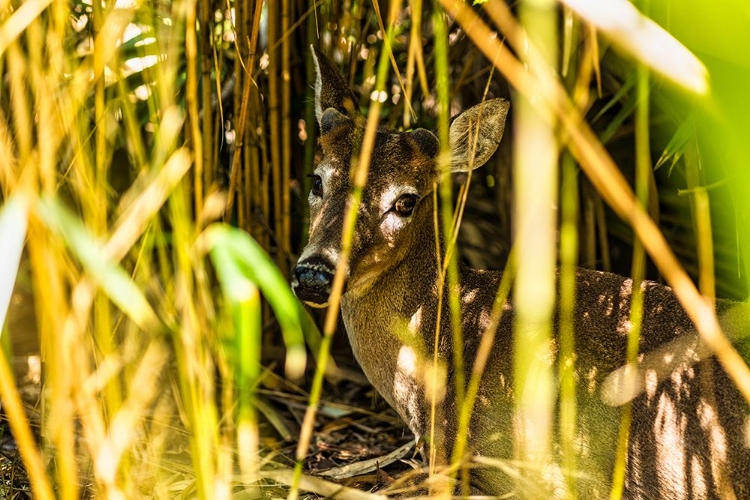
x=676, y=145
x=241, y=264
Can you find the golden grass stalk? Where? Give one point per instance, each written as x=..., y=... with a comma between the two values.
x=13, y=226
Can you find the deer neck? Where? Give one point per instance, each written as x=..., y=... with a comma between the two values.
x=391, y=328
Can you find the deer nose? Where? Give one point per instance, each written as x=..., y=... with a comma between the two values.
x=312, y=281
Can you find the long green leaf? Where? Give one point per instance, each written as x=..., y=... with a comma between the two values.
x=239, y=260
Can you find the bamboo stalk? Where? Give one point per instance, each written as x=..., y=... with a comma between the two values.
x=245, y=82
x=207, y=119
x=241, y=74
x=48, y=290
x=286, y=137
x=191, y=98
x=274, y=129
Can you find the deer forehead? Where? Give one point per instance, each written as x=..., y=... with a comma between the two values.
x=397, y=166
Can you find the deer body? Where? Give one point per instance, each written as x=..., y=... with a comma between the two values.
x=687, y=439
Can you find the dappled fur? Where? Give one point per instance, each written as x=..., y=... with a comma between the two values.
x=687, y=438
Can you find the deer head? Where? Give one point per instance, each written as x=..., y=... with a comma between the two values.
x=395, y=214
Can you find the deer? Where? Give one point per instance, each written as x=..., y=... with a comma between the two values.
x=687, y=439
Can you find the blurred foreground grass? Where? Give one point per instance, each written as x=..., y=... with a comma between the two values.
x=130, y=131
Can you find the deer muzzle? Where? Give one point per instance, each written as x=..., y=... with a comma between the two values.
x=311, y=281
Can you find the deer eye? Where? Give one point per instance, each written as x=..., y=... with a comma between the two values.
x=317, y=187
x=405, y=204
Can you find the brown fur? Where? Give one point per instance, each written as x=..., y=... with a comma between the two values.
x=687, y=438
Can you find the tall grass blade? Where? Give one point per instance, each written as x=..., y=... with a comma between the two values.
x=112, y=278
x=13, y=225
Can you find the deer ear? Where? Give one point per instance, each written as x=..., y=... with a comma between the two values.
x=476, y=133
x=331, y=90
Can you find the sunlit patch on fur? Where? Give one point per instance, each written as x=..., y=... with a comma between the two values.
x=390, y=228
x=583, y=442
x=698, y=477
x=608, y=302
x=677, y=378
x=435, y=377
x=652, y=381
x=553, y=475
x=669, y=426
x=469, y=297
x=547, y=353
x=405, y=386
x=415, y=322
x=388, y=197
x=709, y=420
x=484, y=319
x=591, y=379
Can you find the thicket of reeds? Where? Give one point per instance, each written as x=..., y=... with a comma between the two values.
x=153, y=161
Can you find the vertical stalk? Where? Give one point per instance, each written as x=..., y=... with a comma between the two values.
x=536, y=182
x=247, y=319
x=274, y=129
x=638, y=269
x=448, y=274
x=48, y=291
x=191, y=97
x=415, y=47
x=193, y=360
x=577, y=76
x=700, y=206
x=286, y=131
x=207, y=118
x=246, y=111
x=566, y=367
x=238, y=167
x=100, y=212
